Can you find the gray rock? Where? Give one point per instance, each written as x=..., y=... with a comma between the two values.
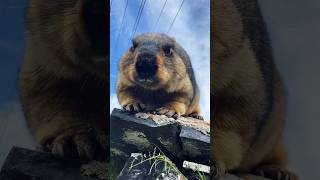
x=181, y=139
x=137, y=167
x=243, y=177
x=23, y=164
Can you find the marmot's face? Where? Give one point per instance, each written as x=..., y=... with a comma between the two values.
x=76, y=30
x=152, y=62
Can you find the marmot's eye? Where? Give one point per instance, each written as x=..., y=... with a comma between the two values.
x=168, y=50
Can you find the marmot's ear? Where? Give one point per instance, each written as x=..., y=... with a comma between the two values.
x=134, y=42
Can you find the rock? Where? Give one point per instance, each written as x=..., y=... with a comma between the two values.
x=145, y=167
x=95, y=169
x=23, y=164
x=243, y=177
x=181, y=139
x=196, y=167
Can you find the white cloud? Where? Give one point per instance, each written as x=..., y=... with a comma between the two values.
x=114, y=102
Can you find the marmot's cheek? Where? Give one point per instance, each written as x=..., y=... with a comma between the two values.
x=132, y=74
x=163, y=75
x=180, y=68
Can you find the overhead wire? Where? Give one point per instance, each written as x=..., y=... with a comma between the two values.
x=122, y=23
x=136, y=23
x=175, y=17
x=158, y=19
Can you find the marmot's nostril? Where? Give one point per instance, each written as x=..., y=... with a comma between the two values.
x=146, y=65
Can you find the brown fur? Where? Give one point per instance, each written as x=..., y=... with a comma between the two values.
x=175, y=91
x=247, y=91
x=62, y=88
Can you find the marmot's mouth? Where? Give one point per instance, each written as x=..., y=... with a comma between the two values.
x=150, y=82
x=146, y=81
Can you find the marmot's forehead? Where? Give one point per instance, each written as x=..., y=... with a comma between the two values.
x=154, y=38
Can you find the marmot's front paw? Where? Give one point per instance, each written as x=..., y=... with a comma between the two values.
x=168, y=112
x=216, y=171
x=174, y=109
x=83, y=142
x=196, y=116
x=134, y=107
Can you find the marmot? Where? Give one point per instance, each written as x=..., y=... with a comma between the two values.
x=247, y=92
x=63, y=79
x=156, y=74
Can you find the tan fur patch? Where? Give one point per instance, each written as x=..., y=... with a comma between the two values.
x=226, y=148
x=179, y=107
x=162, y=72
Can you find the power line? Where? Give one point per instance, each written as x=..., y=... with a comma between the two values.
x=175, y=17
x=135, y=21
x=122, y=22
x=155, y=27
x=139, y=17
x=111, y=4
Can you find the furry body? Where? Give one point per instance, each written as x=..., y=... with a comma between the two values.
x=155, y=74
x=63, y=78
x=247, y=91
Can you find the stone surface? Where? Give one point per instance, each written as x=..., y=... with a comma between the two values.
x=181, y=139
x=145, y=167
x=178, y=138
x=95, y=169
x=243, y=177
x=23, y=164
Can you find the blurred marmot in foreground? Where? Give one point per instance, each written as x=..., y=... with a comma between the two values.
x=155, y=74
x=63, y=80
x=248, y=94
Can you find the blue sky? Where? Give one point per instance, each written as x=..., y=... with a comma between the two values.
x=191, y=29
x=13, y=129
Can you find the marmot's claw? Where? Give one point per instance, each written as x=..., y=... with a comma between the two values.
x=215, y=172
x=168, y=112
x=196, y=116
x=82, y=142
x=274, y=172
x=84, y=146
x=176, y=116
x=134, y=107
x=58, y=149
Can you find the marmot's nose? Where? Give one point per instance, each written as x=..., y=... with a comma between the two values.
x=146, y=65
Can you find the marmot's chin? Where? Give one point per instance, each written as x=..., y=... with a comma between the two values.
x=148, y=83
